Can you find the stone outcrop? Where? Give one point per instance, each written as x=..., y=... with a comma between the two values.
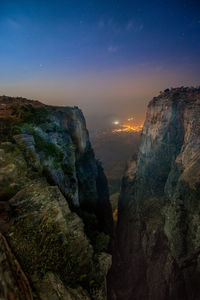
x=54, y=201
x=158, y=232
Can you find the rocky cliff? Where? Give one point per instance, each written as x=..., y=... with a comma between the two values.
x=158, y=234
x=55, y=213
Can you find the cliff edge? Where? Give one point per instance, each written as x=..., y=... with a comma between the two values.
x=158, y=233
x=54, y=202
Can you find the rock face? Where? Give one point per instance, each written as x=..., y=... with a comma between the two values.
x=158, y=234
x=13, y=282
x=54, y=201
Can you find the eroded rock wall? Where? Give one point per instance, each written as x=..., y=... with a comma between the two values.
x=53, y=212
x=158, y=245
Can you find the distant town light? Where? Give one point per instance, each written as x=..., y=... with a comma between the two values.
x=130, y=119
x=116, y=122
x=128, y=128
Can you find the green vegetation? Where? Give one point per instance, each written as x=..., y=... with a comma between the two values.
x=23, y=115
x=70, y=148
x=52, y=152
x=27, y=119
x=13, y=171
x=27, y=128
x=27, y=113
x=50, y=149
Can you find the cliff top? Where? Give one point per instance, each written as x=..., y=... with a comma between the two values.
x=10, y=100
x=8, y=105
x=179, y=94
x=20, y=100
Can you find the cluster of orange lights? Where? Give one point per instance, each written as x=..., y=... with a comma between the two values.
x=127, y=127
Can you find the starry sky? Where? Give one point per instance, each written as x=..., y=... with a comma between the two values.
x=109, y=57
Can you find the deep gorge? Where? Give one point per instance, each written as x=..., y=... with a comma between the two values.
x=56, y=218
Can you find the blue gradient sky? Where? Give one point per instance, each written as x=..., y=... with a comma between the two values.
x=108, y=57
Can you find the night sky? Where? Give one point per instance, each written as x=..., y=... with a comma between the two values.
x=107, y=57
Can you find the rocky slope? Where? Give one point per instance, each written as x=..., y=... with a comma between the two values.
x=54, y=203
x=158, y=234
